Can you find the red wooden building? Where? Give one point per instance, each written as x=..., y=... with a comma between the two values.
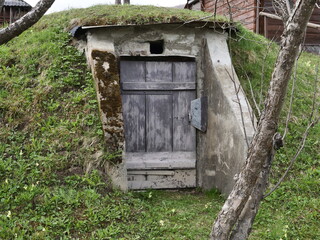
x=251, y=14
x=13, y=10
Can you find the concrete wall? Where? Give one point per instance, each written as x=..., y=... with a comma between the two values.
x=221, y=150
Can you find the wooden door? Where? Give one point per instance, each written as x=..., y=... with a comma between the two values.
x=156, y=96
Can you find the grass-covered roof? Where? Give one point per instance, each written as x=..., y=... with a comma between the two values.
x=127, y=15
x=139, y=15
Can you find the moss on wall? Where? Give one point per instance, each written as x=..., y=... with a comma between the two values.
x=109, y=97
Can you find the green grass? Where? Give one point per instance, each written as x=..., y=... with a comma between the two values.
x=84, y=208
x=51, y=137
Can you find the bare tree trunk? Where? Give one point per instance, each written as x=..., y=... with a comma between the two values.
x=126, y=1
x=261, y=145
x=1, y=5
x=28, y=20
x=243, y=227
x=118, y=2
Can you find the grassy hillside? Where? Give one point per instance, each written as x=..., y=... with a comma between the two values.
x=50, y=132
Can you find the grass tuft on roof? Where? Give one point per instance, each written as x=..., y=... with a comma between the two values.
x=125, y=15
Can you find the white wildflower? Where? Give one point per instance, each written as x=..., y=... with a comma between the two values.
x=207, y=205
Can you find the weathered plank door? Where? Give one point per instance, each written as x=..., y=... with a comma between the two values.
x=159, y=141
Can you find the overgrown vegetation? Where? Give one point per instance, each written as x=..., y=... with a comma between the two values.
x=50, y=130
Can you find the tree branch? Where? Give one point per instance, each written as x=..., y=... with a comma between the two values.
x=251, y=92
x=244, y=224
x=239, y=103
x=293, y=160
x=314, y=102
x=262, y=142
x=310, y=125
x=25, y=22
x=291, y=100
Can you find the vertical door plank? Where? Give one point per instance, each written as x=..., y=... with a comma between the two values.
x=158, y=71
x=134, y=122
x=159, y=123
x=132, y=71
x=184, y=72
x=184, y=135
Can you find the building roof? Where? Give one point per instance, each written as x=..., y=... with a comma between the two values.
x=79, y=31
x=16, y=3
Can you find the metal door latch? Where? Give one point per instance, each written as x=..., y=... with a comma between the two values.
x=198, y=115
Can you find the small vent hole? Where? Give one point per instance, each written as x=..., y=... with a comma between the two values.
x=156, y=47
